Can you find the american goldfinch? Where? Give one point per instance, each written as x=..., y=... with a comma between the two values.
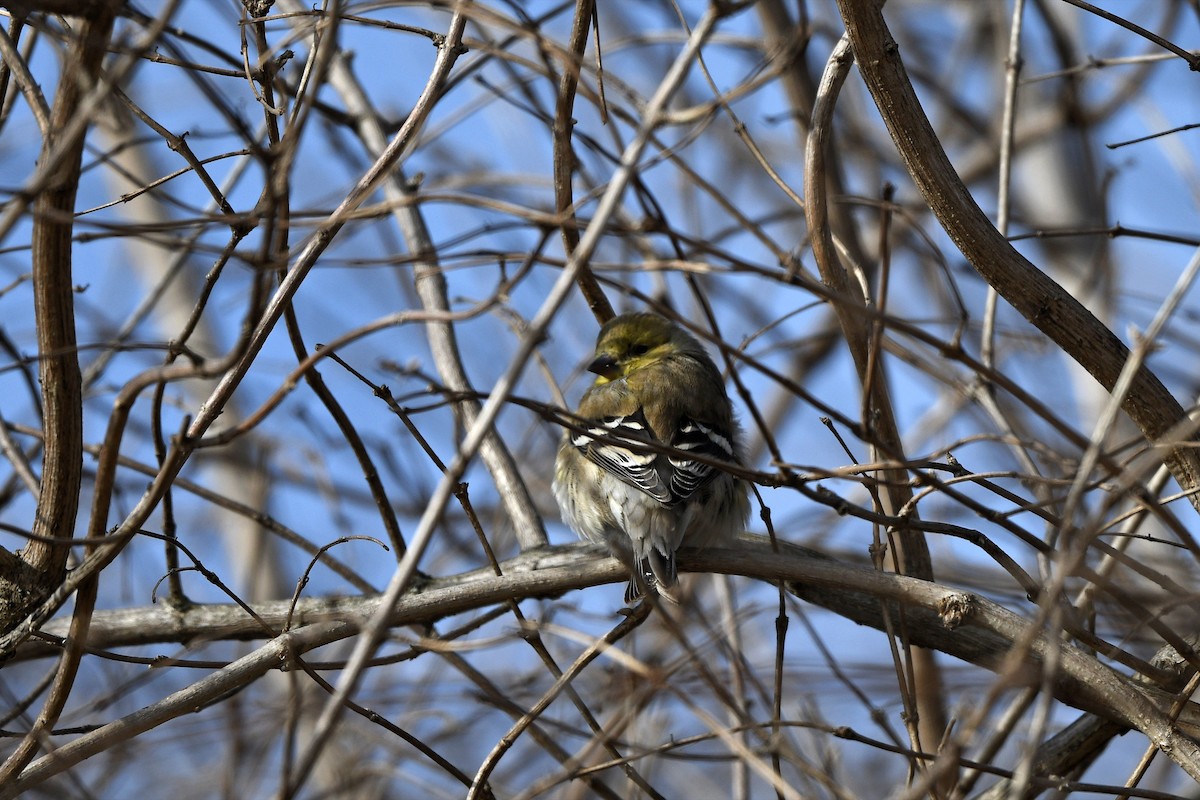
x=657, y=390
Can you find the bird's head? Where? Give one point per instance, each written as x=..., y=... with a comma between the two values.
x=631, y=342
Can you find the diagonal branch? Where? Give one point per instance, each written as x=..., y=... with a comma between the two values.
x=1030, y=291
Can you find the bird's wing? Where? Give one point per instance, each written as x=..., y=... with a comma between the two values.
x=689, y=475
x=600, y=443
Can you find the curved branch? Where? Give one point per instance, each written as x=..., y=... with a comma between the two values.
x=58, y=370
x=1037, y=297
x=863, y=333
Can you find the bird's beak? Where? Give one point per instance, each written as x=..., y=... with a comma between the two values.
x=605, y=366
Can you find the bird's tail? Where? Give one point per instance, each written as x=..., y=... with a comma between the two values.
x=654, y=573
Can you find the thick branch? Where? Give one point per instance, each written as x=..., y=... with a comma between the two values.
x=957, y=623
x=1038, y=298
x=54, y=307
x=58, y=368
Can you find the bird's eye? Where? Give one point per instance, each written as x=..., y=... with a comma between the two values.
x=639, y=350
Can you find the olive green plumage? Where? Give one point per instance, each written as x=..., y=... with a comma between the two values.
x=655, y=387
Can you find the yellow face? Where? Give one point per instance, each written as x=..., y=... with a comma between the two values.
x=630, y=342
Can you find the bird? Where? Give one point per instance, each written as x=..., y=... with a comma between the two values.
x=636, y=471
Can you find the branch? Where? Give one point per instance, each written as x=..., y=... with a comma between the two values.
x=1037, y=297
x=863, y=335
x=58, y=370
x=961, y=624
x=565, y=160
x=88, y=9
